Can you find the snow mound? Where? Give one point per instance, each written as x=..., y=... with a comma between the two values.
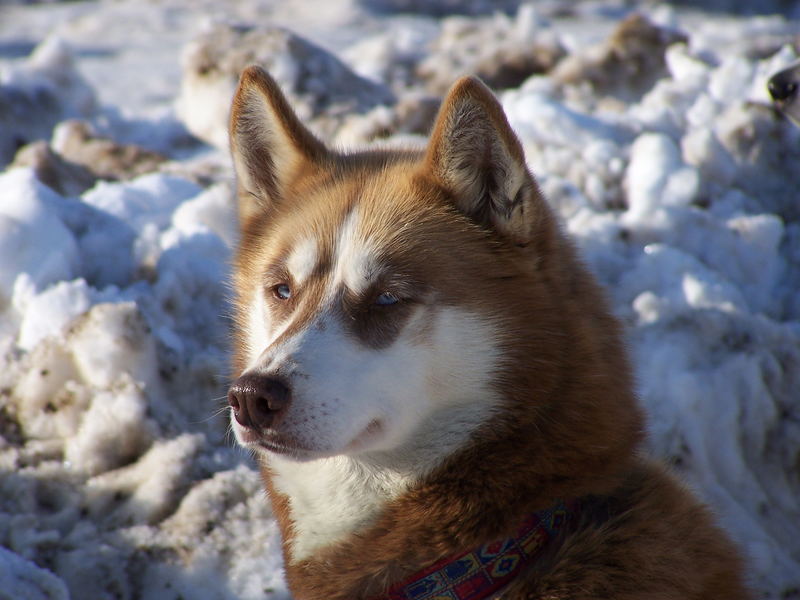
x=23, y=224
x=320, y=87
x=35, y=96
x=503, y=52
x=21, y=579
x=626, y=64
x=443, y=7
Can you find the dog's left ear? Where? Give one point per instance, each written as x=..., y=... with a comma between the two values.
x=476, y=156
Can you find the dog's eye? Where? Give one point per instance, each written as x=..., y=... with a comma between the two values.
x=282, y=291
x=386, y=299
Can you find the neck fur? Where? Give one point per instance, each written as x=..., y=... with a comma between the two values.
x=330, y=498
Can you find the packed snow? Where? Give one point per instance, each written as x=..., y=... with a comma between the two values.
x=648, y=127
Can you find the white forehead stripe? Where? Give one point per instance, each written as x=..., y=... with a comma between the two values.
x=257, y=334
x=302, y=260
x=356, y=258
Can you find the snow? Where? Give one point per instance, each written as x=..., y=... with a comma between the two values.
x=21, y=579
x=118, y=478
x=38, y=94
x=23, y=223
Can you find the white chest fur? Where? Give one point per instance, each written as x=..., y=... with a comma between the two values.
x=331, y=497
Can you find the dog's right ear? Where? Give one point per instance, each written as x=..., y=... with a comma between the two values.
x=269, y=144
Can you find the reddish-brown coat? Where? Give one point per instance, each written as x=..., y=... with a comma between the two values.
x=571, y=425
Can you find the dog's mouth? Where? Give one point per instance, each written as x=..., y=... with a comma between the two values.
x=271, y=441
x=284, y=449
x=279, y=443
x=786, y=104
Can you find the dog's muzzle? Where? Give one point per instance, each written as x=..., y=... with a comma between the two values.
x=783, y=85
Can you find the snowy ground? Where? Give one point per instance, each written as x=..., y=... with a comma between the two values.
x=657, y=146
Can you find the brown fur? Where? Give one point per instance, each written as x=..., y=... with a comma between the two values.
x=464, y=224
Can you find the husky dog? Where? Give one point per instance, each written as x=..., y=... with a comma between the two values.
x=783, y=87
x=432, y=381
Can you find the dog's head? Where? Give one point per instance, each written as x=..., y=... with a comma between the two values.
x=784, y=87
x=379, y=294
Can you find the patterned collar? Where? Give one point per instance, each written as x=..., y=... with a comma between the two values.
x=477, y=573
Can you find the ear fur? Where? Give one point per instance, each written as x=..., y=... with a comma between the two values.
x=268, y=142
x=474, y=154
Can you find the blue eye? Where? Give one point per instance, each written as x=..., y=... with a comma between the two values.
x=386, y=299
x=282, y=291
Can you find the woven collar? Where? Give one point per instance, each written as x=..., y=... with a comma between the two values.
x=474, y=574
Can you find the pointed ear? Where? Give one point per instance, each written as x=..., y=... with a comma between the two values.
x=475, y=155
x=269, y=144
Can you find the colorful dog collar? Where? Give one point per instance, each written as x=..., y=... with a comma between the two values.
x=475, y=574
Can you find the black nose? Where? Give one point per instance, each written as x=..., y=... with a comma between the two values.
x=258, y=401
x=783, y=85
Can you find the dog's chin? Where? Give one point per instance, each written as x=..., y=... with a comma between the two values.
x=271, y=442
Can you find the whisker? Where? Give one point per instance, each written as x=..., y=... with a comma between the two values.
x=229, y=436
x=222, y=409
